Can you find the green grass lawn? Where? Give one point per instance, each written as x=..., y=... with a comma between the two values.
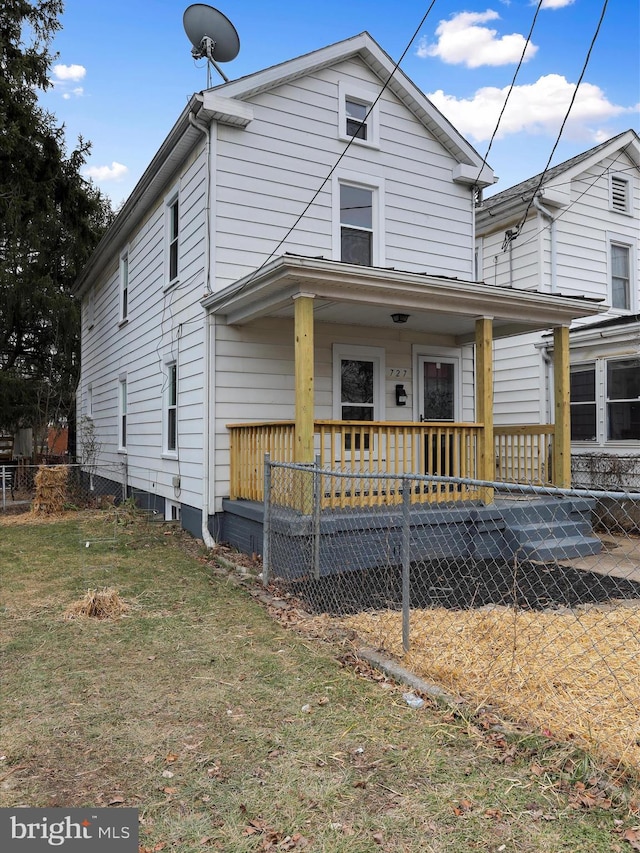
x=230, y=732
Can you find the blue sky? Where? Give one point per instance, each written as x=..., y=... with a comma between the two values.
x=125, y=72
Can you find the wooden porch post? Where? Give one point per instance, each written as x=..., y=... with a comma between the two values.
x=302, y=481
x=561, y=379
x=303, y=328
x=484, y=403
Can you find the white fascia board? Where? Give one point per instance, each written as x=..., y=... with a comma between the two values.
x=463, y=173
x=229, y=111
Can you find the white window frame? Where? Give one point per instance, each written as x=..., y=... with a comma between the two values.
x=171, y=510
x=617, y=178
x=359, y=353
x=91, y=308
x=359, y=94
x=123, y=285
x=167, y=406
x=602, y=400
x=630, y=244
x=89, y=406
x=123, y=412
x=171, y=239
x=376, y=186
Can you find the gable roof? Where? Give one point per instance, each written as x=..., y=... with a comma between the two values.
x=381, y=64
x=224, y=103
x=520, y=194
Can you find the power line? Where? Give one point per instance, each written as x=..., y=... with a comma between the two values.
x=342, y=155
x=518, y=228
x=511, y=87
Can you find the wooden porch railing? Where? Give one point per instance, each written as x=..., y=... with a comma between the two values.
x=524, y=453
x=365, y=449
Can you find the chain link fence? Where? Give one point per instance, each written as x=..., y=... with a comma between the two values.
x=527, y=601
x=81, y=487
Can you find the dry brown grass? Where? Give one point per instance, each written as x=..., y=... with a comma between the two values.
x=574, y=674
x=98, y=604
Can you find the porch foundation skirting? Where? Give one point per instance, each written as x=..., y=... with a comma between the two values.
x=370, y=537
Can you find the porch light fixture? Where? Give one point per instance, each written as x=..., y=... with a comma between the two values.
x=399, y=318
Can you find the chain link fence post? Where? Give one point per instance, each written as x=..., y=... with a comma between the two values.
x=406, y=561
x=317, y=505
x=266, y=523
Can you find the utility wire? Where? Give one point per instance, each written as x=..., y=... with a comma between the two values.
x=342, y=155
x=511, y=87
x=520, y=225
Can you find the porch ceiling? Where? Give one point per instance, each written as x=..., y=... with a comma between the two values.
x=367, y=296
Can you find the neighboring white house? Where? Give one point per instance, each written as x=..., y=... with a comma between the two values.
x=575, y=231
x=300, y=249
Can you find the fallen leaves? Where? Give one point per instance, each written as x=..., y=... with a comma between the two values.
x=271, y=839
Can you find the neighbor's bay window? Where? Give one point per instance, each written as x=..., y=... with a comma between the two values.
x=623, y=399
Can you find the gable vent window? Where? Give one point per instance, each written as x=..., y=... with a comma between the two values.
x=619, y=194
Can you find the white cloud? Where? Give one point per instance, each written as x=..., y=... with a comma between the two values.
x=554, y=4
x=462, y=41
x=535, y=108
x=114, y=172
x=78, y=92
x=67, y=73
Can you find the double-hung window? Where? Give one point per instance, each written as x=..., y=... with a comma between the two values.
x=122, y=413
x=623, y=399
x=356, y=225
x=583, y=402
x=358, y=114
x=620, y=276
x=172, y=232
x=171, y=408
x=358, y=389
x=124, y=286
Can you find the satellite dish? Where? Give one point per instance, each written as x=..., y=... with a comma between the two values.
x=212, y=35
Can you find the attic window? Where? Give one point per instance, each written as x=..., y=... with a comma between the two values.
x=358, y=115
x=619, y=194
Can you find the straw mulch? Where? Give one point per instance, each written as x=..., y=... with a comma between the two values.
x=574, y=674
x=51, y=490
x=98, y=603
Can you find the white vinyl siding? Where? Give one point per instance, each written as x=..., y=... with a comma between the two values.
x=163, y=324
x=267, y=175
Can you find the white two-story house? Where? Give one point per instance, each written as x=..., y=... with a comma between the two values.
x=294, y=272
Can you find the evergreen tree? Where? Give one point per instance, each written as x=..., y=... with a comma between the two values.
x=51, y=218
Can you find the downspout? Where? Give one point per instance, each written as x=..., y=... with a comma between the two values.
x=552, y=240
x=207, y=538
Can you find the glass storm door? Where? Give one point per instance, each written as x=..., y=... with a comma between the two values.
x=437, y=394
x=437, y=401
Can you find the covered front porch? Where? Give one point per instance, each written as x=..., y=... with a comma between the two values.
x=437, y=314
